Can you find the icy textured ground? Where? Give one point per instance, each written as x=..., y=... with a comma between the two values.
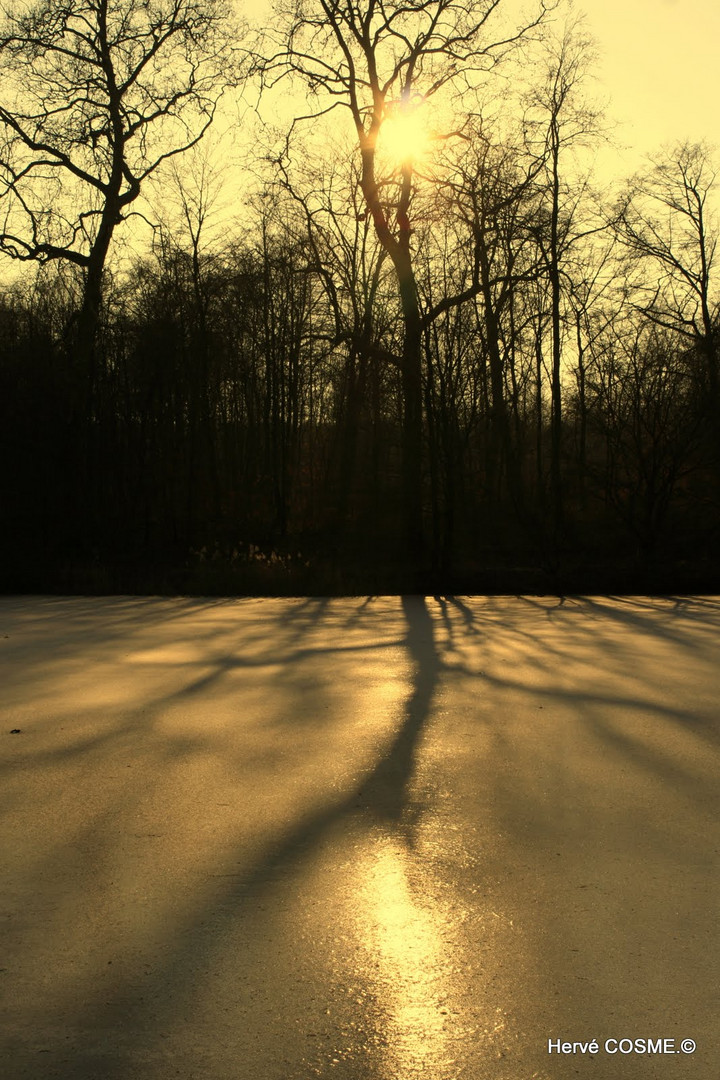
x=367, y=839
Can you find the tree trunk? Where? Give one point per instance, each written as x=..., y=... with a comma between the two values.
x=398, y=248
x=556, y=413
x=497, y=385
x=412, y=435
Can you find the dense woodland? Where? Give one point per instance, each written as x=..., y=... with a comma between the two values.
x=476, y=370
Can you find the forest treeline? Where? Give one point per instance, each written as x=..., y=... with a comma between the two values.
x=533, y=359
x=244, y=424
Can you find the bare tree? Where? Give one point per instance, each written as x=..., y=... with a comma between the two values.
x=593, y=311
x=492, y=194
x=563, y=119
x=643, y=405
x=96, y=94
x=666, y=222
x=380, y=59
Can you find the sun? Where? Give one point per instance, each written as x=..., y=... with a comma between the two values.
x=405, y=133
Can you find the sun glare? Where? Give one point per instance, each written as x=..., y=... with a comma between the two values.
x=405, y=134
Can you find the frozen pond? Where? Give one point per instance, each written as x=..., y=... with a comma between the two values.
x=365, y=839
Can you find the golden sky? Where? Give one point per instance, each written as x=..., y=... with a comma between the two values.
x=660, y=63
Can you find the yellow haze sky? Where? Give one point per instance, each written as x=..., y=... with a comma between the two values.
x=658, y=67
x=659, y=62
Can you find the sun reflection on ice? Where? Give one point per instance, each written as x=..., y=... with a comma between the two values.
x=404, y=936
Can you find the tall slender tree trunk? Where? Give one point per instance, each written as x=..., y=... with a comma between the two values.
x=349, y=425
x=412, y=434
x=539, y=431
x=85, y=361
x=497, y=385
x=582, y=404
x=556, y=395
x=398, y=248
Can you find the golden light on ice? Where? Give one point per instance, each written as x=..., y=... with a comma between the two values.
x=405, y=938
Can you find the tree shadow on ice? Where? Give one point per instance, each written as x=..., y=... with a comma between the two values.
x=125, y=1024
x=121, y=1031
x=385, y=790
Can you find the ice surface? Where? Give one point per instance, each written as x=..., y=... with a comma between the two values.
x=374, y=839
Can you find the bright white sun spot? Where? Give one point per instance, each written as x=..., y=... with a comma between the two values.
x=405, y=134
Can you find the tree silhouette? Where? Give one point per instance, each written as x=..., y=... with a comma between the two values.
x=665, y=220
x=96, y=94
x=377, y=60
